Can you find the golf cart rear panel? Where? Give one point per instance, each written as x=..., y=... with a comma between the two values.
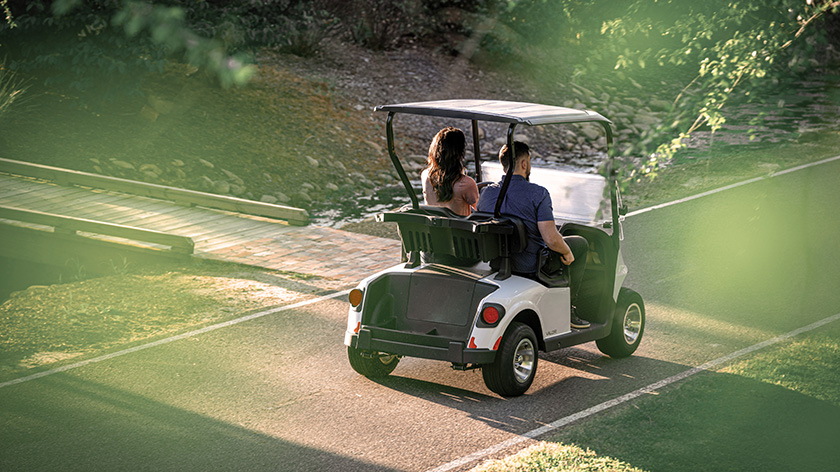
x=430, y=312
x=402, y=317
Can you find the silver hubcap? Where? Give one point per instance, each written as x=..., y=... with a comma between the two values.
x=523, y=360
x=632, y=323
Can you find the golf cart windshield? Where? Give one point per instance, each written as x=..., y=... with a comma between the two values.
x=575, y=197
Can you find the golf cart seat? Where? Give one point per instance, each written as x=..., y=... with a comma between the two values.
x=454, y=240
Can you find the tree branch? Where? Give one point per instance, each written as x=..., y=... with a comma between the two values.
x=813, y=17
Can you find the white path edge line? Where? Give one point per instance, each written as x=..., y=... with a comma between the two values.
x=160, y=342
x=629, y=396
x=735, y=185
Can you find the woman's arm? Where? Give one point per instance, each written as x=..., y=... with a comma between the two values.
x=470, y=194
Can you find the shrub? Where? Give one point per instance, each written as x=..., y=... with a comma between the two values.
x=381, y=24
x=304, y=30
x=11, y=90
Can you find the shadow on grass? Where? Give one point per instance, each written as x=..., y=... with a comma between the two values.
x=97, y=427
x=717, y=422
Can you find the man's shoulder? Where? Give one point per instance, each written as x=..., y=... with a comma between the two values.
x=487, y=197
x=531, y=187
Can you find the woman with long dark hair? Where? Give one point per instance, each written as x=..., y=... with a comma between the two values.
x=445, y=182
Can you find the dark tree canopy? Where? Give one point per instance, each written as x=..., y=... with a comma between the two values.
x=692, y=57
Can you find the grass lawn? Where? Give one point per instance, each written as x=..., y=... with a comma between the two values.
x=778, y=409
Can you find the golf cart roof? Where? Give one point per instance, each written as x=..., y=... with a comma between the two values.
x=496, y=110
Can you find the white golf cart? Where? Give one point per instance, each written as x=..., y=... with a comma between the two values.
x=467, y=307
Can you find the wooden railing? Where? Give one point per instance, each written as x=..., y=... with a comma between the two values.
x=70, y=225
x=294, y=216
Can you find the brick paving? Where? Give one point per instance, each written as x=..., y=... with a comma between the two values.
x=339, y=258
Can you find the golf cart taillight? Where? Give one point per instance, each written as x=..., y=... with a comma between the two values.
x=355, y=297
x=490, y=315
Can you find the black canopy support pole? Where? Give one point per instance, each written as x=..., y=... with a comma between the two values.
x=476, y=151
x=498, y=210
x=612, y=183
x=389, y=131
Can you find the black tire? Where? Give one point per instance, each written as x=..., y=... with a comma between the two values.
x=628, y=325
x=380, y=365
x=515, y=366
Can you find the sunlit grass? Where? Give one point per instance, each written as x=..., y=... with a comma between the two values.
x=47, y=324
x=809, y=366
x=553, y=457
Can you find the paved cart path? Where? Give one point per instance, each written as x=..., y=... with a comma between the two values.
x=718, y=274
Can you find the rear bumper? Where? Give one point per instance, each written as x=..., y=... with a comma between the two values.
x=424, y=346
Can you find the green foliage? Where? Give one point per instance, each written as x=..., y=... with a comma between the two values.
x=305, y=30
x=293, y=25
x=380, y=24
x=674, y=65
x=456, y=26
x=736, y=51
x=11, y=90
x=103, y=49
x=7, y=13
x=167, y=29
x=120, y=267
x=80, y=52
x=691, y=58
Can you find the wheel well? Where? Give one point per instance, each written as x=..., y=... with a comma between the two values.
x=530, y=318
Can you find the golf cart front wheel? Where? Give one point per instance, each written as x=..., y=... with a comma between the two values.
x=513, y=370
x=372, y=364
x=627, y=327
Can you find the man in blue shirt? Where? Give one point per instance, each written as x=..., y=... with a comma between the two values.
x=532, y=204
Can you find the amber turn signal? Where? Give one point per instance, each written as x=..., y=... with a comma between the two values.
x=355, y=297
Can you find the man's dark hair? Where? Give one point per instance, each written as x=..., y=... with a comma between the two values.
x=522, y=150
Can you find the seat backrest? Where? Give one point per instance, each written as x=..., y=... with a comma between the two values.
x=519, y=236
x=480, y=237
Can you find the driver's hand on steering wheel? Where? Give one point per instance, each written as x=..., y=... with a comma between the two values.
x=567, y=258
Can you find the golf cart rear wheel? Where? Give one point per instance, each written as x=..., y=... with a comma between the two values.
x=627, y=327
x=512, y=373
x=372, y=365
